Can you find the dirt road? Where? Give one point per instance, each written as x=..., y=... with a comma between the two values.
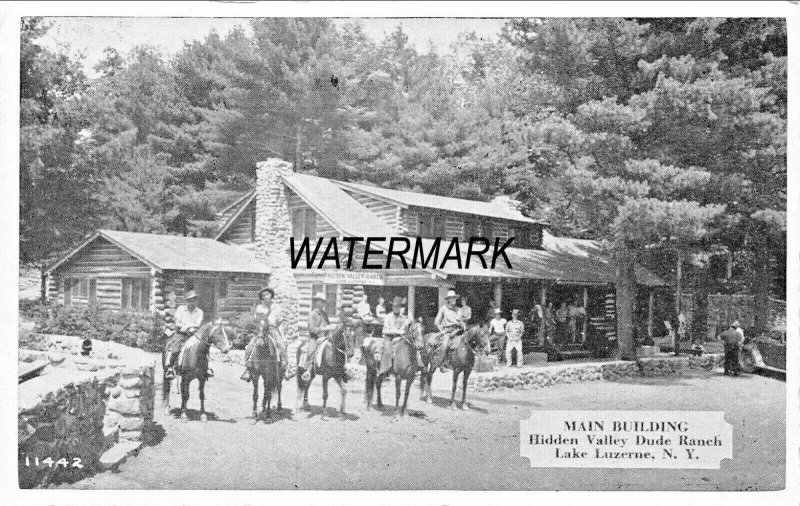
x=435, y=448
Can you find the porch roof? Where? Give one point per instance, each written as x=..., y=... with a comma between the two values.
x=558, y=262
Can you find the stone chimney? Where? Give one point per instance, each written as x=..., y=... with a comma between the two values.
x=273, y=230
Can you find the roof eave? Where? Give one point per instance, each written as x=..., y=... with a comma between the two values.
x=71, y=253
x=244, y=204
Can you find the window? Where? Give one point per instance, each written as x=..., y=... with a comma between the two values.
x=310, y=228
x=304, y=224
x=438, y=224
x=331, y=292
x=470, y=228
x=424, y=225
x=136, y=294
x=80, y=290
x=521, y=235
x=222, y=288
x=487, y=231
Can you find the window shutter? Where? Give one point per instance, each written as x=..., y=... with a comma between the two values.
x=126, y=293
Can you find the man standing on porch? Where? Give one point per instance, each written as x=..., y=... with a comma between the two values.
x=497, y=327
x=466, y=311
x=363, y=310
x=514, y=330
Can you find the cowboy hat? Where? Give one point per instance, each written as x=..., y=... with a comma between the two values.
x=190, y=295
x=735, y=324
x=266, y=289
x=319, y=296
x=397, y=301
x=451, y=294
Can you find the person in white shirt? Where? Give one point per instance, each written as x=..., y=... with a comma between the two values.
x=514, y=331
x=270, y=316
x=363, y=309
x=188, y=319
x=466, y=311
x=380, y=309
x=497, y=327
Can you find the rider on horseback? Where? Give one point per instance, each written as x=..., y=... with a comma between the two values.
x=450, y=322
x=269, y=315
x=319, y=326
x=395, y=325
x=188, y=319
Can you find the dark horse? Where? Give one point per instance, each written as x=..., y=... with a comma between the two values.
x=264, y=362
x=195, y=364
x=462, y=358
x=335, y=353
x=404, y=366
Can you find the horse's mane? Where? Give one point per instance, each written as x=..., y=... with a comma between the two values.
x=202, y=332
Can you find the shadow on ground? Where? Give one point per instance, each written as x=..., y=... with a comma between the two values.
x=194, y=415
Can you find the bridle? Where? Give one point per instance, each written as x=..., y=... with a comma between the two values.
x=207, y=339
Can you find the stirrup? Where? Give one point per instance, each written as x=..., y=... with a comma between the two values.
x=306, y=375
x=245, y=375
x=170, y=374
x=209, y=373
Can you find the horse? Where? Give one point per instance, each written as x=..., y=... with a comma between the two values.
x=195, y=364
x=264, y=362
x=404, y=367
x=462, y=358
x=335, y=354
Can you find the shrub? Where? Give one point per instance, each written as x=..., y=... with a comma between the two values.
x=140, y=330
x=33, y=309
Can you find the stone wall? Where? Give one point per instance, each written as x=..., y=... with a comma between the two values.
x=95, y=409
x=273, y=230
x=527, y=378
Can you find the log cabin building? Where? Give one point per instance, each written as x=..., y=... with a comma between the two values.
x=251, y=246
x=150, y=273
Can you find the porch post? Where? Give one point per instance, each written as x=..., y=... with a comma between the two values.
x=586, y=313
x=412, y=292
x=498, y=294
x=543, y=303
x=650, y=304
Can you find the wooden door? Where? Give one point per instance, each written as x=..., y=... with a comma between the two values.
x=206, y=298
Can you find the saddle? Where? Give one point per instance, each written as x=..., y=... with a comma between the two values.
x=320, y=350
x=454, y=343
x=188, y=344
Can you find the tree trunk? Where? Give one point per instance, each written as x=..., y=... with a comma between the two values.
x=678, y=284
x=761, y=284
x=698, y=329
x=626, y=303
x=43, y=286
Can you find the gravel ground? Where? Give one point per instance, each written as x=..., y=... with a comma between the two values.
x=436, y=448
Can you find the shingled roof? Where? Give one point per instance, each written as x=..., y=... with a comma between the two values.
x=338, y=208
x=408, y=198
x=174, y=252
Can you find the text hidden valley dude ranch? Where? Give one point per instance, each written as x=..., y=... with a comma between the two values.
x=379, y=251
